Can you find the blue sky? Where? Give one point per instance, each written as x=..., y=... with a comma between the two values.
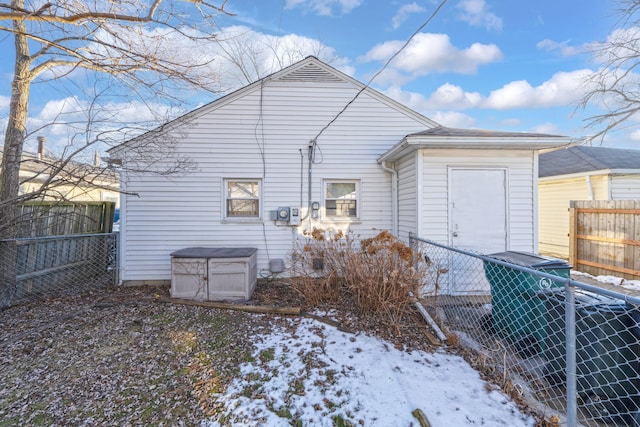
x=489, y=64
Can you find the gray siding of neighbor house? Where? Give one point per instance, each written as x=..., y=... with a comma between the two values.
x=625, y=186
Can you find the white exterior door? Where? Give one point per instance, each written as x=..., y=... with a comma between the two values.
x=477, y=222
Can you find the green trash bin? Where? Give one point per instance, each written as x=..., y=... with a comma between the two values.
x=607, y=352
x=517, y=313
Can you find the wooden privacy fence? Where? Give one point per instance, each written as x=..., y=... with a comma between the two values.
x=604, y=237
x=55, y=218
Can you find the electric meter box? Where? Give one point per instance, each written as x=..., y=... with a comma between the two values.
x=286, y=214
x=294, y=216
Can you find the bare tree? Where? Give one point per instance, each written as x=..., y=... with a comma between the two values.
x=615, y=86
x=249, y=56
x=126, y=42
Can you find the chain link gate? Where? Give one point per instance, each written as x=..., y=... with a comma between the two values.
x=569, y=348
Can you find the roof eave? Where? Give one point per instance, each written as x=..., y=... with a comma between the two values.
x=415, y=142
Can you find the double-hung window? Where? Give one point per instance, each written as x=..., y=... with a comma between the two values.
x=242, y=198
x=341, y=199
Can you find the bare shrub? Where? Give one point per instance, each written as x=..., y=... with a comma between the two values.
x=376, y=274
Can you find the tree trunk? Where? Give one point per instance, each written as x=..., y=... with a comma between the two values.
x=11, y=157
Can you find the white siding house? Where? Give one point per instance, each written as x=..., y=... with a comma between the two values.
x=313, y=138
x=581, y=173
x=474, y=190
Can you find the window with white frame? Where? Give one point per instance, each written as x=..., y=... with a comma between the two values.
x=341, y=199
x=242, y=198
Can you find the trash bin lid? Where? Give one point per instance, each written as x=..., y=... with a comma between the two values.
x=527, y=259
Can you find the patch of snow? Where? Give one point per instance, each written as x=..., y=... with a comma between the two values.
x=315, y=373
x=611, y=280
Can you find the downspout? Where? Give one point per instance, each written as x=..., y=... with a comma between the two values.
x=394, y=197
x=589, y=187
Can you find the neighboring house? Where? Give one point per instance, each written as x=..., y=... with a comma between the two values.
x=334, y=154
x=68, y=181
x=581, y=173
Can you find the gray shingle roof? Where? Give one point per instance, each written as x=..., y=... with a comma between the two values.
x=579, y=159
x=456, y=132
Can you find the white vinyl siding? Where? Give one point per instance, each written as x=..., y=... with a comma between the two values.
x=519, y=165
x=263, y=135
x=407, y=196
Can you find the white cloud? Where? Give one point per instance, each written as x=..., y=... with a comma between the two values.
x=432, y=53
x=418, y=102
x=563, y=48
x=59, y=109
x=548, y=128
x=453, y=97
x=563, y=88
x=453, y=119
x=325, y=7
x=74, y=122
x=476, y=13
x=413, y=100
x=262, y=54
x=621, y=46
x=635, y=135
x=404, y=12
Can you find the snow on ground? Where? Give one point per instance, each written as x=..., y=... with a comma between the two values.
x=611, y=280
x=313, y=372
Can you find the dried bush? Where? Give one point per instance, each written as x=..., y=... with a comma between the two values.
x=376, y=274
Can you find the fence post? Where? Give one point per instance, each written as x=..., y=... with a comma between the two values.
x=573, y=236
x=570, y=321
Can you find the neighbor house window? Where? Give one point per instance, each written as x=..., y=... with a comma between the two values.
x=341, y=199
x=242, y=198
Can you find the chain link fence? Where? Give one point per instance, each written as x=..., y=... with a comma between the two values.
x=55, y=265
x=570, y=349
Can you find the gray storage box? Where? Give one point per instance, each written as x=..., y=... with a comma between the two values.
x=213, y=274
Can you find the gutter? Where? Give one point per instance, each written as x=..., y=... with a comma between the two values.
x=589, y=187
x=394, y=197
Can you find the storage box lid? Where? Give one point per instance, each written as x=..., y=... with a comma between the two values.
x=214, y=253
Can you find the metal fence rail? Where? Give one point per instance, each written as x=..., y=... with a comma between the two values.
x=34, y=267
x=570, y=348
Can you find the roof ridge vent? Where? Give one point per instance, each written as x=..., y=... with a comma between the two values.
x=310, y=73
